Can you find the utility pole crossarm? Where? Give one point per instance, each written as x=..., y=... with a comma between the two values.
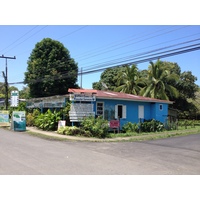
x=7, y=57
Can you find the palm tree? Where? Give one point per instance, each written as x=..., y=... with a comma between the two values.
x=129, y=81
x=158, y=83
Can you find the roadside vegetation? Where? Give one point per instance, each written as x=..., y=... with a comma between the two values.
x=91, y=127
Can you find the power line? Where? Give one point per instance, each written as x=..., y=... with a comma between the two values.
x=120, y=42
x=72, y=32
x=144, y=60
x=132, y=43
x=164, y=54
x=20, y=38
x=117, y=55
x=27, y=38
x=123, y=59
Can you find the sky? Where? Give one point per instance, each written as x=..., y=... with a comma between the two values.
x=93, y=46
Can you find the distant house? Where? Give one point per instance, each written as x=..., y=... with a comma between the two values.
x=116, y=105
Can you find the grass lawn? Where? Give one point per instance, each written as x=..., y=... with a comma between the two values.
x=182, y=131
x=117, y=137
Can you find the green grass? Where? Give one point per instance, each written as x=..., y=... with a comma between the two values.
x=120, y=137
x=156, y=135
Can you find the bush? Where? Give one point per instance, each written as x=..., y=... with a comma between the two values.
x=73, y=130
x=98, y=127
x=30, y=117
x=130, y=127
x=48, y=121
x=146, y=126
x=151, y=126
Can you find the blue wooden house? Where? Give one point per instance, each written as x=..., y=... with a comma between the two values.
x=116, y=105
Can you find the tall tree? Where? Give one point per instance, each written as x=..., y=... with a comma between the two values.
x=129, y=81
x=158, y=82
x=24, y=93
x=51, y=70
x=108, y=79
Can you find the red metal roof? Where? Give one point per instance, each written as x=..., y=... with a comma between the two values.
x=100, y=94
x=71, y=90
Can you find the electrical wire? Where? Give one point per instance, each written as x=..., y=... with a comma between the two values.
x=130, y=43
x=72, y=32
x=140, y=54
x=117, y=43
x=19, y=38
x=144, y=60
x=27, y=38
x=117, y=55
x=135, y=61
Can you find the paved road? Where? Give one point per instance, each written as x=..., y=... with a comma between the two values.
x=24, y=154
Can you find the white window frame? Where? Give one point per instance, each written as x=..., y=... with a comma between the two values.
x=123, y=111
x=102, y=108
x=141, y=112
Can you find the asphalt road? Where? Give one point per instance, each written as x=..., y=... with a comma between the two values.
x=22, y=154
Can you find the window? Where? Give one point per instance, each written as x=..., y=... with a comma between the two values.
x=141, y=112
x=100, y=108
x=161, y=107
x=120, y=111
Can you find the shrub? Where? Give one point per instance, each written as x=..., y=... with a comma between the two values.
x=130, y=127
x=146, y=126
x=98, y=127
x=48, y=121
x=73, y=130
x=30, y=117
x=151, y=126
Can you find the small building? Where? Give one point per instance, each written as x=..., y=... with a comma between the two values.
x=116, y=105
x=108, y=104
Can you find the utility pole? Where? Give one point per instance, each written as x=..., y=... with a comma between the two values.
x=81, y=76
x=5, y=75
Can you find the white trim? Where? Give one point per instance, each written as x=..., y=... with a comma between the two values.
x=102, y=109
x=123, y=111
x=140, y=111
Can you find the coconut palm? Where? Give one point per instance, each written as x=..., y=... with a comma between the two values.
x=129, y=81
x=158, y=83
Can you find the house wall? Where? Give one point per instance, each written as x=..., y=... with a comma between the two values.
x=151, y=110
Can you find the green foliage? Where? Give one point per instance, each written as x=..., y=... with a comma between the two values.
x=48, y=121
x=129, y=80
x=73, y=131
x=146, y=126
x=51, y=70
x=98, y=127
x=65, y=113
x=109, y=79
x=158, y=82
x=187, y=123
x=151, y=126
x=31, y=117
x=24, y=93
x=130, y=127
